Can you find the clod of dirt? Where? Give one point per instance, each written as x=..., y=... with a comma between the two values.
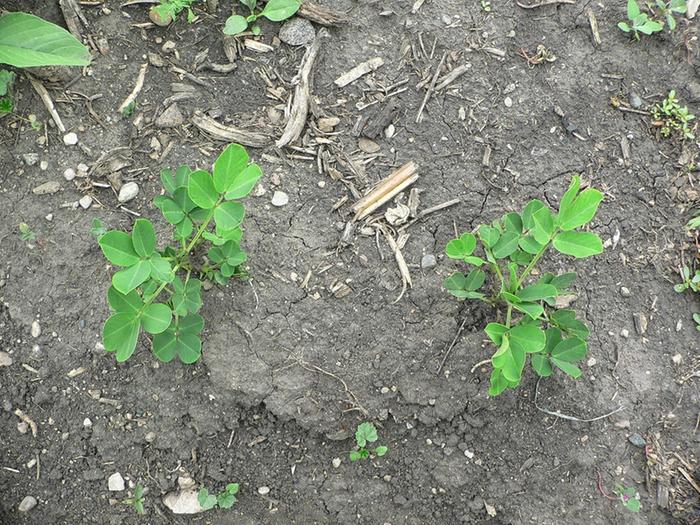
x=128, y=191
x=297, y=32
x=170, y=118
x=47, y=188
x=27, y=504
x=30, y=158
x=5, y=359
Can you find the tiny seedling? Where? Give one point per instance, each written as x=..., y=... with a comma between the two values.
x=274, y=10
x=690, y=280
x=166, y=12
x=98, y=229
x=7, y=78
x=201, y=207
x=485, y=6
x=129, y=109
x=366, y=433
x=629, y=497
x=512, y=246
x=137, y=500
x=26, y=233
x=668, y=11
x=672, y=118
x=639, y=22
x=224, y=500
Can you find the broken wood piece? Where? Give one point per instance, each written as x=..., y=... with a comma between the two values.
x=396, y=245
x=229, y=133
x=544, y=3
x=379, y=121
x=254, y=45
x=452, y=76
x=385, y=190
x=48, y=103
x=73, y=15
x=300, y=104
x=24, y=417
x=594, y=25
x=137, y=89
x=431, y=88
x=321, y=14
x=358, y=71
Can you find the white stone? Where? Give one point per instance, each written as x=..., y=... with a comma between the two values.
x=128, y=191
x=69, y=174
x=184, y=502
x=43, y=165
x=70, y=139
x=263, y=491
x=280, y=198
x=5, y=359
x=115, y=483
x=336, y=462
x=85, y=202
x=36, y=329
x=508, y=102
x=87, y=422
x=28, y=503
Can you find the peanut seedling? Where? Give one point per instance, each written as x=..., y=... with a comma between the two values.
x=224, y=500
x=366, y=433
x=274, y=10
x=639, y=22
x=512, y=246
x=672, y=118
x=157, y=290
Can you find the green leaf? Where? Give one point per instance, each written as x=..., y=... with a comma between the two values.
x=229, y=215
x=521, y=258
x=543, y=225
x=563, y=282
x=511, y=361
x=171, y=210
x=167, y=181
x=206, y=501
x=495, y=332
x=474, y=280
x=235, y=24
x=514, y=299
x=506, y=245
x=193, y=324
x=143, y=237
x=632, y=9
x=244, y=182
x=540, y=363
x=534, y=310
x=530, y=208
x=462, y=247
x=489, y=235
x=165, y=345
x=527, y=337
x=161, y=269
x=566, y=320
x=581, y=211
x=130, y=303
x=453, y=284
x=189, y=347
x=529, y=244
x=118, y=248
x=226, y=500
x=355, y=455
x=278, y=10
x=578, y=244
x=513, y=222
x=650, y=27
x=571, y=349
x=120, y=334
x=567, y=367
x=537, y=292
x=201, y=189
x=568, y=198
x=381, y=450
x=476, y=261
x=553, y=338
x=184, y=229
x=29, y=41
x=230, y=164
x=366, y=432
x=130, y=278
x=156, y=318
x=498, y=383
x=624, y=27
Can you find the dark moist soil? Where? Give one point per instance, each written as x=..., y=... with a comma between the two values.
x=288, y=370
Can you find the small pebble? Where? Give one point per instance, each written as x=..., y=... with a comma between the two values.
x=636, y=101
x=428, y=261
x=336, y=462
x=85, y=202
x=297, y=32
x=390, y=131
x=49, y=217
x=280, y=198
x=47, y=188
x=70, y=139
x=128, y=191
x=30, y=158
x=43, y=166
x=677, y=359
x=263, y=491
x=22, y=427
x=5, y=359
x=115, y=483
x=87, y=422
x=637, y=440
x=625, y=292
x=625, y=333
x=28, y=503
x=36, y=329
x=508, y=102
x=622, y=423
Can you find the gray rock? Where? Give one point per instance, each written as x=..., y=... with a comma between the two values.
x=297, y=32
x=27, y=504
x=637, y=440
x=30, y=158
x=128, y=191
x=5, y=359
x=70, y=139
x=35, y=329
x=85, y=202
x=625, y=292
x=115, y=483
x=47, y=188
x=428, y=261
x=636, y=101
x=170, y=118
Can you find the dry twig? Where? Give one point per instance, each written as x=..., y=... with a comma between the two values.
x=385, y=190
x=46, y=99
x=137, y=89
x=229, y=133
x=544, y=3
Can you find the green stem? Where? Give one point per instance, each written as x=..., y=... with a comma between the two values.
x=509, y=314
x=535, y=260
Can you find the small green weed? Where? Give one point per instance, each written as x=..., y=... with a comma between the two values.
x=129, y=109
x=668, y=11
x=166, y=12
x=193, y=202
x=26, y=233
x=485, y=6
x=673, y=118
x=639, y=22
x=366, y=433
x=552, y=336
x=7, y=79
x=137, y=500
x=690, y=280
x=274, y=10
x=629, y=497
x=224, y=500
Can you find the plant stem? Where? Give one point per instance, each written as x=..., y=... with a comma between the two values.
x=535, y=260
x=509, y=313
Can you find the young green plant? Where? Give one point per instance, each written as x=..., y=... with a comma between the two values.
x=366, y=433
x=669, y=10
x=166, y=11
x=639, y=22
x=672, y=118
x=159, y=291
x=690, y=279
x=224, y=499
x=137, y=500
x=274, y=10
x=629, y=497
x=511, y=248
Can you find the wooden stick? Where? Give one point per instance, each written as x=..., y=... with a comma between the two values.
x=431, y=88
x=544, y=3
x=400, y=261
x=594, y=25
x=137, y=89
x=229, y=133
x=385, y=185
x=452, y=76
x=46, y=99
x=300, y=105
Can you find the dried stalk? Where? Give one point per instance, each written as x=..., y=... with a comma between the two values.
x=137, y=89
x=229, y=133
x=385, y=190
x=46, y=99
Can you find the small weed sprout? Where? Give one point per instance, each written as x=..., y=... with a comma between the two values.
x=26, y=233
x=166, y=12
x=194, y=201
x=274, y=10
x=672, y=118
x=485, y=6
x=366, y=433
x=512, y=247
x=668, y=11
x=137, y=500
x=639, y=22
x=7, y=79
x=629, y=497
x=690, y=280
x=224, y=500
